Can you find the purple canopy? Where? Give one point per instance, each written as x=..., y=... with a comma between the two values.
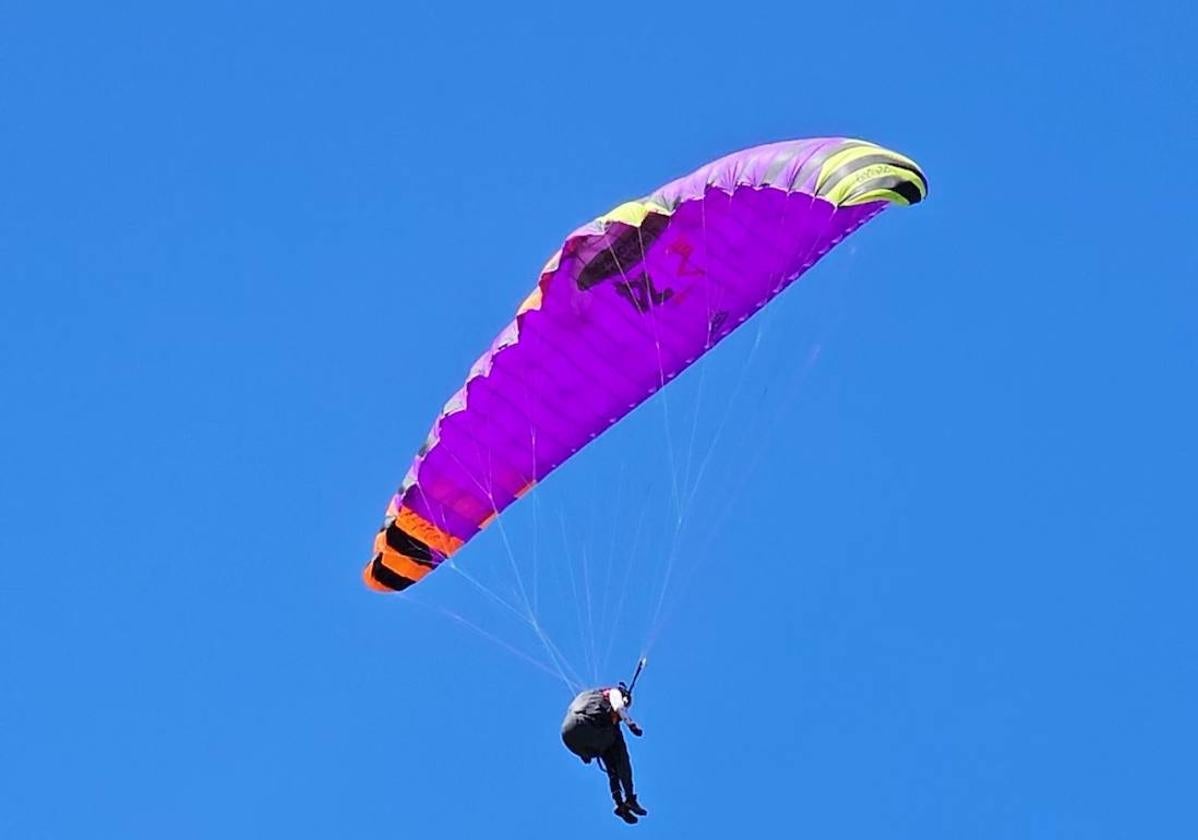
x=629, y=302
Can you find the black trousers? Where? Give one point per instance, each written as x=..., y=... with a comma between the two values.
x=619, y=767
x=606, y=742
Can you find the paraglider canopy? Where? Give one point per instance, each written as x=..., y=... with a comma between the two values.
x=628, y=302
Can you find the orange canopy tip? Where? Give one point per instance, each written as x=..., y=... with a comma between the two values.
x=371, y=583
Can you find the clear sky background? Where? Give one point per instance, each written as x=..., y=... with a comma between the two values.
x=248, y=249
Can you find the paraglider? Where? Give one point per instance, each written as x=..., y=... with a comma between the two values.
x=591, y=730
x=629, y=301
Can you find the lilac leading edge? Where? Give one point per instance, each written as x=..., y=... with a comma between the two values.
x=629, y=302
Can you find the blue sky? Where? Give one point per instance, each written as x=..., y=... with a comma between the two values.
x=223, y=225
